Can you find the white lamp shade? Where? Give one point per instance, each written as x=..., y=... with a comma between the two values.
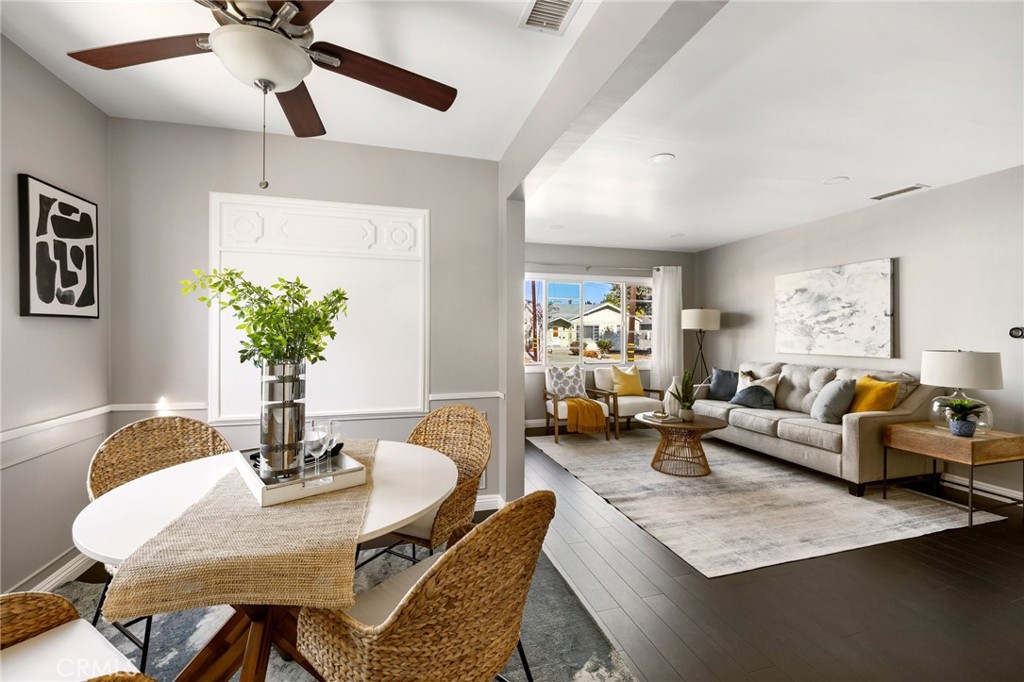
x=961, y=369
x=707, y=319
x=251, y=54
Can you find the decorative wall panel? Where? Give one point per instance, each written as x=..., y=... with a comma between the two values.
x=377, y=365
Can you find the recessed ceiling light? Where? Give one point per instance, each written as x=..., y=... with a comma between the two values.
x=677, y=235
x=837, y=180
x=555, y=227
x=662, y=158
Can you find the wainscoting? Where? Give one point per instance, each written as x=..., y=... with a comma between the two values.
x=44, y=466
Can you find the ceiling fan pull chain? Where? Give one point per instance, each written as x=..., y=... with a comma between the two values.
x=265, y=87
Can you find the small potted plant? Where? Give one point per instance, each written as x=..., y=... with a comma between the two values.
x=681, y=391
x=959, y=413
x=284, y=329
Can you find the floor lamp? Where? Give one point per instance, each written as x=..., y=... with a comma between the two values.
x=701, y=320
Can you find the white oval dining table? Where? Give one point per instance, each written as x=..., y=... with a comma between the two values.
x=408, y=482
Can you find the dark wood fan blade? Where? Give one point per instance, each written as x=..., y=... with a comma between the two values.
x=388, y=77
x=308, y=9
x=140, y=52
x=301, y=112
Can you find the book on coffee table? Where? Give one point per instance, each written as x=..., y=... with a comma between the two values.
x=667, y=419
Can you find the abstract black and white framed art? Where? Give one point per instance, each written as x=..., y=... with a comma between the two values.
x=59, y=258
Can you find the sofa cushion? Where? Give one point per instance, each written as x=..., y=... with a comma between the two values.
x=833, y=401
x=723, y=384
x=812, y=432
x=719, y=409
x=871, y=395
x=761, y=421
x=799, y=386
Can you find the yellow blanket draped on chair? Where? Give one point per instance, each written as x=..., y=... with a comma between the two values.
x=584, y=416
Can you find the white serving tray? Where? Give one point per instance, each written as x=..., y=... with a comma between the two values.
x=345, y=473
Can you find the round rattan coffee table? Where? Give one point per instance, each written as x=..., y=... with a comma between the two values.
x=680, y=452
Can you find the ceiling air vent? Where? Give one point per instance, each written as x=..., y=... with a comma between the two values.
x=897, y=192
x=549, y=16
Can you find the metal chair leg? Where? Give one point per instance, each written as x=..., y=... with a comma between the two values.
x=526, y=666
x=522, y=657
x=103, y=597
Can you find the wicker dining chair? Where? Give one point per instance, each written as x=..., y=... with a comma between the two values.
x=462, y=434
x=458, y=621
x=26, y=615
x=138, y=449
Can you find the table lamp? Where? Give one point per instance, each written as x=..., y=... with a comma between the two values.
x=700, y=320
x=960, y=369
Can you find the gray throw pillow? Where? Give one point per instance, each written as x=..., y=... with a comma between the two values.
x=833, y=401
x=757, y=397
x=723, y=384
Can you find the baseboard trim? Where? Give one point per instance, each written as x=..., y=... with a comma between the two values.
x=534, y=423
x=982, y=487
x=41, y=581
x=489, y=502
x=477, y=395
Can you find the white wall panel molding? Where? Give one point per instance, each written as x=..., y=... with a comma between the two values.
x=480, y=395
x=158, y=407
x=378, y=366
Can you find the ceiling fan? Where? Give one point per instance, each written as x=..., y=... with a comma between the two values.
x=269, y=46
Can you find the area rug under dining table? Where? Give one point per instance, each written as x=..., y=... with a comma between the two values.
x=562, y=641
x=753, y=510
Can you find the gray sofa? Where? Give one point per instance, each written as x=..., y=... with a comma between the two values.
x=851, y=450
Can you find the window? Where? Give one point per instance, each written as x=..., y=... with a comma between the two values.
x=568, y=321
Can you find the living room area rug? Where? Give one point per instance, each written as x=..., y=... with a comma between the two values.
x=753, y=510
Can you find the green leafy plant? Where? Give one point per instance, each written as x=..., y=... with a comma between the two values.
x=683, y=391
x=604, y=346
x=960, y=410
x=280, y=322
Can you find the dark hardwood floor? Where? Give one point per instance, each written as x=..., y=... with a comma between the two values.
x=947, y=606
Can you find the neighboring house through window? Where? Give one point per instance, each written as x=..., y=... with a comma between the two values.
x=570, y=320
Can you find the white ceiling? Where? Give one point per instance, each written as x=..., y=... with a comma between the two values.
x=500, y=70
x=766, y=102
x=769, y=100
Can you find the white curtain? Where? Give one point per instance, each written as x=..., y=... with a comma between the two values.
x=668, y=337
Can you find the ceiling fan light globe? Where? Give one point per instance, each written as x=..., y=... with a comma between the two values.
x=252, y=54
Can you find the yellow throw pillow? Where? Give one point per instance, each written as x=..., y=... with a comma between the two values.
x=872, y=394
x=627, y=382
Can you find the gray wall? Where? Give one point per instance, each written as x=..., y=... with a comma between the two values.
x=51, y=367
x=159, y=218
x=598, y=262
x=960, y=283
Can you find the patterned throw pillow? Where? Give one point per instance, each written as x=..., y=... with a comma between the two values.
x=757, y=393
x=567, y=382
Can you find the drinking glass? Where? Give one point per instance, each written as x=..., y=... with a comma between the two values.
x=327, y=440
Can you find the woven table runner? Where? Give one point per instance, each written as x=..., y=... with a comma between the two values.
x=226, y=549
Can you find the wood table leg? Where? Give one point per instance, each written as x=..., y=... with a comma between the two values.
x=222, y=655
x=257, y=648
